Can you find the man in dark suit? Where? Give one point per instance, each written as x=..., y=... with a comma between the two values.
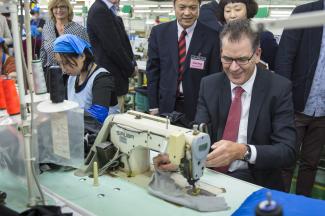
x=249, y=113
x=111, y=44
x=301, y=58
x=180, y=53
x=208, y=15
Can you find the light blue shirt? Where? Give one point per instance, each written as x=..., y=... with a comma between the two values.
x=110, y=6
x=315, y=105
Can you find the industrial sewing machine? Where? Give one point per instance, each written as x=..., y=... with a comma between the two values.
x=125, y=141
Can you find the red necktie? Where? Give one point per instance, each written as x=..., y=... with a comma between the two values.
x=232, y=126
x=181, y=58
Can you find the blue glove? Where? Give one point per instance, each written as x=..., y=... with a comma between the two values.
x=98, y=112
x=34, y=31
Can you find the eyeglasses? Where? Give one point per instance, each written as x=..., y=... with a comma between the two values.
x=239, y=61
x=61, y=7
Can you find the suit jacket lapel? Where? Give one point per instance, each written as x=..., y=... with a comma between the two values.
x=195, y=44
x=224, y=106
x=258, y=95
x=172, y=45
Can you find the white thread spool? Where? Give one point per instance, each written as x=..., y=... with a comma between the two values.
x=38, y=77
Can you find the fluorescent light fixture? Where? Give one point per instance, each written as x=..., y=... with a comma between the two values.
x=279, y=12
x=78, y=6
x=278, y=6
x=142, y=11
x=145, y=6
x=150, y=22
x=161, y=11
x=166, y=6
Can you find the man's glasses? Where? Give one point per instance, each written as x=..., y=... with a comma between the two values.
x=239, y=61
x=61, y=7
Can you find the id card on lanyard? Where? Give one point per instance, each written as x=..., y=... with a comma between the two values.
x=197, y=62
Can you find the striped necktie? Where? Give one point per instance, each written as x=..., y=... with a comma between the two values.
x=181, y=58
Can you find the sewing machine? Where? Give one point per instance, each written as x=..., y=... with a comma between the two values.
x=134, y=134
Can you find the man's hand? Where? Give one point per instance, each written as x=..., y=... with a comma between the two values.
x=224, y=152
x=162, y=163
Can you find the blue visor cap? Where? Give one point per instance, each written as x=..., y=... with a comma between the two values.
x=2, y=40
x=36, y=9
x=69, y=43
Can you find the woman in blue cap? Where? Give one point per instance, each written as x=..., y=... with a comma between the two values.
x=91, y=86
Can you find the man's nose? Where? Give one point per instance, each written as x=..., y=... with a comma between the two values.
x=233, y=14
x=187, y=11
x=233, y=66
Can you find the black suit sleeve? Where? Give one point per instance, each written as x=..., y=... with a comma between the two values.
x=269, y=48
x=202, y=113
x=215, y=62
x=282, y=151
x=106, y=30
x=153, y=69
x=287, y=51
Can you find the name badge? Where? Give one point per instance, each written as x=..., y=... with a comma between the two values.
x=197, y=62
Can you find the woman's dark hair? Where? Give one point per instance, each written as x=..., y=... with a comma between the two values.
x=251, y=8
x=68, y=58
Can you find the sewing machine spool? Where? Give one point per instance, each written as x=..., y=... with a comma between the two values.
x=38, y=77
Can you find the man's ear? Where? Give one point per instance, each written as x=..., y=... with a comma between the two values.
x=258, y=54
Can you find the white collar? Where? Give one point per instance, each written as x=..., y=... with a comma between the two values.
x=248, y=85
x=188, y=30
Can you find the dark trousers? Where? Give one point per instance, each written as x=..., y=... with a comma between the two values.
x=244, y=174
x=311, y=139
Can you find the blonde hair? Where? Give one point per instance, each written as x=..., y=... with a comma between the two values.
x=54, y=3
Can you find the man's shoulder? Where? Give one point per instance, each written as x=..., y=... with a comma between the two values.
x=98, y=5
x=213, y=5
x=311, y=6
x=275, y=80
x=214, y=78
x=164, y=26
x=207, y=30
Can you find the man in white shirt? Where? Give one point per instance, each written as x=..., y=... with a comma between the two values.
x=249, y=113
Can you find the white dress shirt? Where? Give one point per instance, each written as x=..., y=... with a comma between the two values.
x=188, y=39
x=242, y=133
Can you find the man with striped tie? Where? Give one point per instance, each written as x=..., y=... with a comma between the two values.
x=180, y=54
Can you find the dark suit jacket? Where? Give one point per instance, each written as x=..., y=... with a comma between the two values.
x=270, y=124
x=208, y=15
x=269, y=48
x=298, y=55
x=110, y=44
x=162, y=66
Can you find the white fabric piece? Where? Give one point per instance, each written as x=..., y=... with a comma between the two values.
x=164, y=187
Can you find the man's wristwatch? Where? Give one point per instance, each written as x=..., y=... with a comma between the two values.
x=248, y=154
